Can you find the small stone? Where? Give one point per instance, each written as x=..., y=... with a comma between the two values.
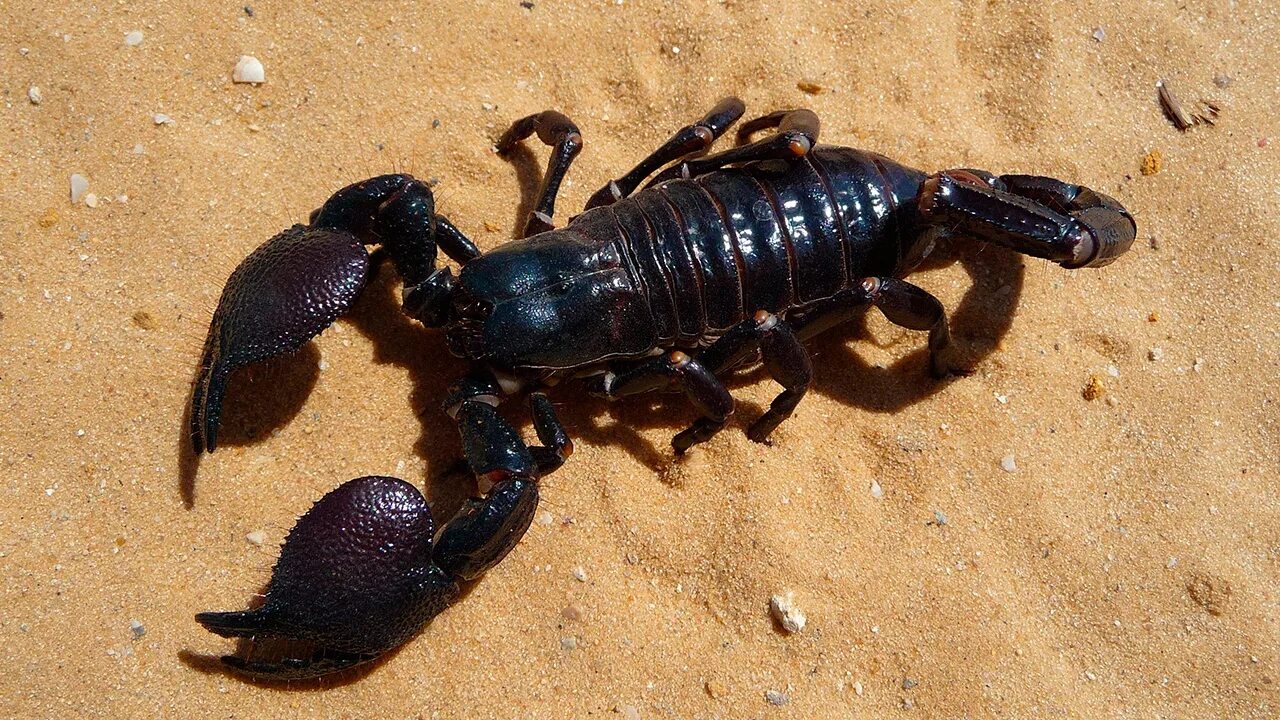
x=628, y=712
x=790, y=617
x=34, y=95
x=1008, y=464
x=1152, y=163
x=488, y=106
x=571, y=612
x=1089, y=674
x=545, y=518
x=810, y=88
x=249, y=69
x=138, y=149
x=161, y=119
x=137, y=629
x=1099, y=34
x=91, y=199
x=857, y=688
x=908, y=704
x=877, y=492
x=133, y=38
x=940, y=519
x=908, y=683
x=1223, y=81
x=1155, y=354
x=79, y=186
x=579, y=573
x=1153, y=316
x=716, y=689
x=568, y=642
x=776, y=697
x=1198, y=365
x=1093, y=389
x=257, y=537
x=48, y=219
x=1171, y=563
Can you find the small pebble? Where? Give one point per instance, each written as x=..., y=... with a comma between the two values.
x=161, y=119
x=138, y=149
x=908, y=704
x=1093, y=389
x=1155, y=354
x=137, y=629
x=1152, y=163
x=1099, y=34
x=629, y=712
x=1223, y=81
x=545, y=518
x=488, y=106
x=579, y=573
x=776, y=697
x=79, y=186
x=857, y=687
x=877, y=492
x=1008, y=464
x=939, y=518
x=715, y=689
x=571, y=612
x=257, y=537
x=249, y=69
x=908, y=683
x=810, y=88
x=568, y=642
x=34, y=95
x=91, y=199
x=133, y=38
x=1198, y=365
x=790, y=617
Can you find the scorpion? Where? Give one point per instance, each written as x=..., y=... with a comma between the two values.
x=719, y=260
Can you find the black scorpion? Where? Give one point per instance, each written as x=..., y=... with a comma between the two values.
x=719, y=260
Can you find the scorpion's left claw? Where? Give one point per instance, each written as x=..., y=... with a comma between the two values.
x=287, y=291
x=355, y=579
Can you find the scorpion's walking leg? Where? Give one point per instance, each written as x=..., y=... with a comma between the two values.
x=298, y=282
x=676, y=369
x=784, y=357
x=796, y=136
x=1039, y=216
x=559, y=132
x=360, y=574
x=689, y=140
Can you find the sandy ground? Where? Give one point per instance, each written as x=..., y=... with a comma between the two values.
x=1127, y=567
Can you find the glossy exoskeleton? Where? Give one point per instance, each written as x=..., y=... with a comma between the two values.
x=721, y=259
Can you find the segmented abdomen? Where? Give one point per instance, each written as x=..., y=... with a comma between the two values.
x=713, y=250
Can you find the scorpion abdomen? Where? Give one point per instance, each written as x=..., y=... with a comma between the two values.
x=714, y=249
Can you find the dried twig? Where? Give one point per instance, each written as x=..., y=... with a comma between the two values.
x=1205, y=114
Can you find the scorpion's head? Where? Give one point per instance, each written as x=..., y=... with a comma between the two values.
x=555, y=300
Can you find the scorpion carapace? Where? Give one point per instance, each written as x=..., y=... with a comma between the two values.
x=721, y=259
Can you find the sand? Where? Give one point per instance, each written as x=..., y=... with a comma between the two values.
x=1126, y=567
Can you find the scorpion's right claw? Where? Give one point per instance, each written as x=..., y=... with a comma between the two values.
x=287, y=291
x=363, y=571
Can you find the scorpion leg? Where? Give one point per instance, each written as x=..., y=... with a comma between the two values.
x=559, y=132
x=785, y=359
x=689, y=140
x=481, y=386
x=796, y=136
x=360, y=575
x=913, y=308
x=297, y=283
x=707, y=394
x=1069, y=224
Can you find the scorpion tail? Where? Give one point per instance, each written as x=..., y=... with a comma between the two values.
x=1072, y=225
x=298, y=282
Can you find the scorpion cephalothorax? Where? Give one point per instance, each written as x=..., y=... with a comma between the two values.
x=719, y=260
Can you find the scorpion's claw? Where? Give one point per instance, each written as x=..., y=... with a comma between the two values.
x=286, y=292
x=355, y=579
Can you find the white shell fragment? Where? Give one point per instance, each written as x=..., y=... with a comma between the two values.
x=249, y=70
x=790, y=617
x=1008, y=464
x=133, y=38
x=34, y=95
x=79, y=186
x=161, y=119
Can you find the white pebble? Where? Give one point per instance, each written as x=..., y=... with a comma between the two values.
x=877, y=492
x=79, y=186
x=776, y=697
x=629, y=712
x=161, y=119
x=34, y=95
x=133, y=38
x=91, y=199
x=257, y=537
x=545, y=518
x=138, y=149
x=1155, y=354
x=580, y=573
x=135, y=627
x=1099, y=34
x=787, y=614
x=1198, y=365
x=857, y=687
x=249, y=70
x=1008, y=465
